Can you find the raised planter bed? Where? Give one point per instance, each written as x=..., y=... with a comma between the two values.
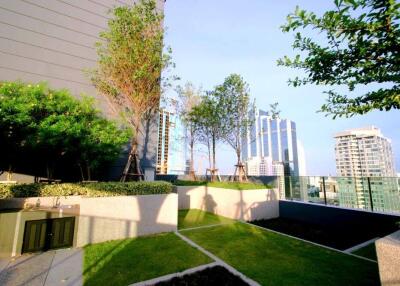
x=244, y=205
x=97, y=219
x=341, y=239
x=216, y=275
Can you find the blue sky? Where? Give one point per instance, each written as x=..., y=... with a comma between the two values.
x=213, y=38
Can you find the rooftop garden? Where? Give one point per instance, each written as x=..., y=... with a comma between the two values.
x=123, y=262
x=264, y=256
x=275, y=259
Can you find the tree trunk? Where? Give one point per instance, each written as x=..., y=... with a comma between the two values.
x=9, y=173
x=132, y=159
x=89, y=176
x=213, y=157
x=191, y=165
x=81, y=170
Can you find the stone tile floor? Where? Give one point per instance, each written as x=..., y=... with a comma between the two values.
x=56, y=267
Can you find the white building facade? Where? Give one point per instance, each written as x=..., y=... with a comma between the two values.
x=364, y=163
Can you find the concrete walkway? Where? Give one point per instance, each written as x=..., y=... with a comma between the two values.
x=57, y=267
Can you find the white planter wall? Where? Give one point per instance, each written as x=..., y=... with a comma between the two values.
x=105, y=218
x=245, y=205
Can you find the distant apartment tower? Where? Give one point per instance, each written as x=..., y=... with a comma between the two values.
x=272, y=138
x=360, y=154
x=264, y=166
x=171, y=151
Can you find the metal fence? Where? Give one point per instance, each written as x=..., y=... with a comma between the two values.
x=380, y=194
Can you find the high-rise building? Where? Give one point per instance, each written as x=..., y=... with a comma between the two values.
x=172, y=147
x=54, y=41
x=302, y=158
x=364, y=161
x=272, y=138
x=264, y=166
x=364, y=152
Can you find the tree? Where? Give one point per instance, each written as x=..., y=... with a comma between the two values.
x=130, y=66
x=43, y=128
x=275, y=113
x=189, y=97
x=234, y=101
x=362, y=47
x=207, y=116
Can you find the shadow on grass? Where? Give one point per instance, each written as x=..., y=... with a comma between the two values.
x=133, y=260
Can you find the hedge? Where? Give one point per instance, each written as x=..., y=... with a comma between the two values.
x=225, y=185
x=105, y=189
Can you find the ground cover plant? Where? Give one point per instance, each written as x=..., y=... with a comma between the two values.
x=217, y=275
x=274, y=259
x=195, y=218
x=225, y=185
x=102, y=189
x=123, y=262
x=368, y=251
x=344, y=237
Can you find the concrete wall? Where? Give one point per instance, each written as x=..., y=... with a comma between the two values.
x=111, y=218
x=97, y=219
x=245, y=205
x=388, y=252
x=53, y=41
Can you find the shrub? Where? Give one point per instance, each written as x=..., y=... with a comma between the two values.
x=43, y=130
x=104, y=189
x=225, y=185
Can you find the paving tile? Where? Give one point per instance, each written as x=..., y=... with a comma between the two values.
x=66, y=268
x=27, y=270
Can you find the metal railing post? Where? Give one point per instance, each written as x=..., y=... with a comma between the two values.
x=370, y=194
x=323, y=188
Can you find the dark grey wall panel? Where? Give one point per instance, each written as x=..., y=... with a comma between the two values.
x=337, y=218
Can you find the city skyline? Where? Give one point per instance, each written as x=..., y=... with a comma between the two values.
x=206, y=51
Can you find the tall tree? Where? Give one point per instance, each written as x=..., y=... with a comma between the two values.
x=208, y=118
x=189, y=97
x=361, y=47
x=130, y=67
x=234, y=101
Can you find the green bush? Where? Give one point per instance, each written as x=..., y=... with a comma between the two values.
x=225, y=185
x=85, y=189
x=48, y=133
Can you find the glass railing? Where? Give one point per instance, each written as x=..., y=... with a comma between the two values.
x=380, y=194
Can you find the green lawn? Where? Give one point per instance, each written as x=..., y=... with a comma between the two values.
x=194, y=218
x=122, y=262
x=274, y=259
x=367, y=251
x=224, y=185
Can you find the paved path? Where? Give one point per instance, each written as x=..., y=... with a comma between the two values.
x=57, y=267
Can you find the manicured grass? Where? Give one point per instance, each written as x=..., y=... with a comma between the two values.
x=367, y=251
x=194, y=218
x=122, y=262
x=274, y=259
x=225, y=185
